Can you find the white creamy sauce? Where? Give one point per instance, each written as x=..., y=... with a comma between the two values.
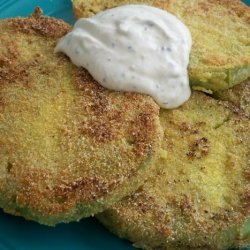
x=134, y=48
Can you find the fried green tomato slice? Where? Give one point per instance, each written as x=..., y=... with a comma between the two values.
x=199, y=196
x=68, y=147
x=220, y=56
x=239, y=96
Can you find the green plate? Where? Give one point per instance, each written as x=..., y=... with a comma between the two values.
x=17, y=233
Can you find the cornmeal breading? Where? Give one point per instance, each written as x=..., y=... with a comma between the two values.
x=68, y=147
x=239, y=96
x=200, y=194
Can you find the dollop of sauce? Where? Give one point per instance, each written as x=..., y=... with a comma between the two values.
x=134, y=48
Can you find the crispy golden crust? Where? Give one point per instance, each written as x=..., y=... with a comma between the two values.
x=199, y=196
x=220, y=56
x=91, y=7
x=41, y=25
x=238, y=95
x=68, y=147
